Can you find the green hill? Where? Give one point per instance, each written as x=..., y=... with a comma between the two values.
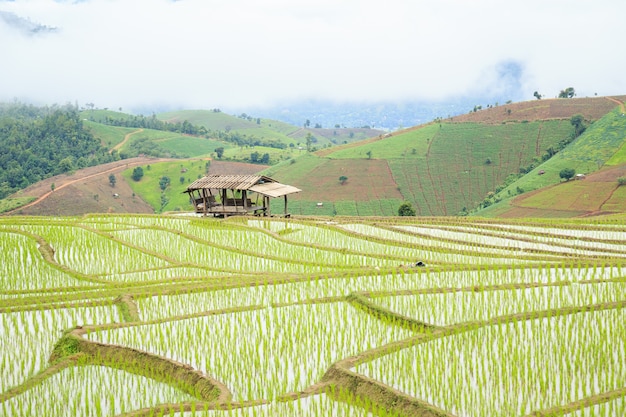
x=269, y=129
x=599, y=154
x=501, y=161
x=451, y=167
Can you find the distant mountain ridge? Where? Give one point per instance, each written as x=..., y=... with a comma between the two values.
x=25, y=26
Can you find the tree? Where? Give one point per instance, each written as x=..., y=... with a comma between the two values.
x=112, y=180
x=369, y=154
x=569, y=92
x=309, y=141
x=578, y=121
x=164, y=182
x=537, y=95
x=137, y=173
x=343, y=179
x=567, y=173
x=219, y=152
x=406, y=209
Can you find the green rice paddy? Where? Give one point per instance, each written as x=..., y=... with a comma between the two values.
x=120, y=315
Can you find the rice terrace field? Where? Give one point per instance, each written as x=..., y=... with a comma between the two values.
x=140, y=315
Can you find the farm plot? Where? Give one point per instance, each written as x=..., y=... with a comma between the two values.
x=446, y=308
x=118, y=314
x=24, y=267
x=170, y=305
x=91, y=391
x=233, y=258
x=27, y=338
x=544, y=244
x=90, y=253
x=284, y=358
x=335, y=237
x=545, y=362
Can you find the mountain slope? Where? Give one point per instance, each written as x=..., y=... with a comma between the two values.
x=599, y=154
x=446, y=167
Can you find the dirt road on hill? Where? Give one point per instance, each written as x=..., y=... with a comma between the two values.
x=126, y=139
x=83, y=190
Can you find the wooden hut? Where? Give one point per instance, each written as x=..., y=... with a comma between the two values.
x=227, y=195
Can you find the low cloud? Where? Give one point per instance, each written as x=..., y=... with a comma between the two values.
x=238, y=53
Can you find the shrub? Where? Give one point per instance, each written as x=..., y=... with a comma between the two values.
x=406, y=209
x=567, y=173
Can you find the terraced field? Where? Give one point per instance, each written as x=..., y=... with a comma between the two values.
x=116, y=315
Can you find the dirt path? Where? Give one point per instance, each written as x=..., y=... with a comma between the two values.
x=62, y=181
x=618, y=102
x=126, y=138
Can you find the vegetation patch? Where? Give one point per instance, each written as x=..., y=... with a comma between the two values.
x=8, y=204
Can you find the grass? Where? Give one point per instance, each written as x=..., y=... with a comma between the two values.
x=602, y=144
x=8, y=204
x=190, y=146
x=149, y=187
x=109, y=136
x=439, y=168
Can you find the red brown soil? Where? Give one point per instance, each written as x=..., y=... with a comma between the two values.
x=601, y=184
x=234, y=168
x=592, y=108
x=86, y=191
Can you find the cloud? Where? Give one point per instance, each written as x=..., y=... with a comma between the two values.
x=237, y=53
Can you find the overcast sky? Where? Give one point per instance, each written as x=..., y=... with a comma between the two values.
x=238, y=53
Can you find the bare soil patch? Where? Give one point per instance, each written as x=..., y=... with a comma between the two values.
x=86, y=191
x=592, y=108
x=574, y=198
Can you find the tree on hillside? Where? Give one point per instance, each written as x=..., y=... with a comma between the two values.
x=309, y=141
x=137, y=173
x=406, y=209
x=164, y=182
x=112, y=180
x=578, y=121
x=537, y=95
x=569, y=92
x=567, y=173
x=343, y=179
x=219, y=152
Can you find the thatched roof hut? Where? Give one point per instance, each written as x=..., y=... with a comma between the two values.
x=249, y=194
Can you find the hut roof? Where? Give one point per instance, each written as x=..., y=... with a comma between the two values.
x=257, y=183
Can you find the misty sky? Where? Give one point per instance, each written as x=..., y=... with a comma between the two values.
x=238, y=53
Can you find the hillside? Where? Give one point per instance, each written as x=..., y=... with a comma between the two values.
x=599, y=155
x=269, y=129
x=446, y=167
x=450, y=166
